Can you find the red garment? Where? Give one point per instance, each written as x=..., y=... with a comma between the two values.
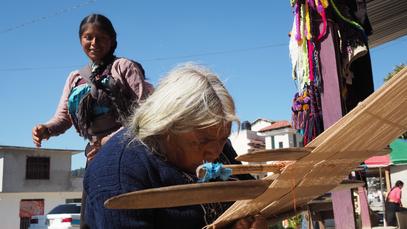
x=395, y=195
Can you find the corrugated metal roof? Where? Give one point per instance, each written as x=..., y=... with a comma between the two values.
x=388, y=19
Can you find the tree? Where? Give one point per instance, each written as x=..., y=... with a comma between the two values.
x=395, y=71
x=389, y=76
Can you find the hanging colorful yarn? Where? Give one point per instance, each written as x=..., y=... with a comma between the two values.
x=307, y=22
x=324, y=3
x=321, y=11
x=310, y=60
x=306, y=107
x=300, y=109
x=313, y=123
x=353, y=23
x=298, y=36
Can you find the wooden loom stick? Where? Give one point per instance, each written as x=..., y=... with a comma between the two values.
x=358, y=132
x=190, y=194
x=284, y=154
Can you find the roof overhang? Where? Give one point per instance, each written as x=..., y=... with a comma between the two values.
x=20, y=149
x=388, y=19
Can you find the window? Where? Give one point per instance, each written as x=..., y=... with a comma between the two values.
x=70, y=201
x=66, y=209
x=37, y=168
x=280, y=145
x=295, y=140
x=272, y=143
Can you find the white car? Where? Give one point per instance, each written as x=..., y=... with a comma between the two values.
x=63, y=216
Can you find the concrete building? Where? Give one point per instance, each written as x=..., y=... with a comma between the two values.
x=247, y=139
x=279, y=135
x=33, y=181
x=263, y=134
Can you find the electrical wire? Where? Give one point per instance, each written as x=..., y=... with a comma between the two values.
x=36, y=20
x=156, y=59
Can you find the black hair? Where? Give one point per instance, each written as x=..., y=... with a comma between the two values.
x=103, y=23
x=399, y=183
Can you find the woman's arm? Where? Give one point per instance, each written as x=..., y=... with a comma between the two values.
x=60, y=122
x=132, y=74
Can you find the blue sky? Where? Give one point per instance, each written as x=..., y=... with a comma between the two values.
x=245, y=42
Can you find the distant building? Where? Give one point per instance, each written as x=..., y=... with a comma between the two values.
x=279, y=135
x=263, y=134
x=33, y=181
x=260, y=123
x=246, y=140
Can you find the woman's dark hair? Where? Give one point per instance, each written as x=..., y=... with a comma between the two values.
x=399, y=183
x=103, y=23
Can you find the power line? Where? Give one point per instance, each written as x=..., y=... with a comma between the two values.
x=37, y=68
x=36, y=20
x=216, y=52
x=158, y=58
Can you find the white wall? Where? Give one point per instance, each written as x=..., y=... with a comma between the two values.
x=399, y=172
x=269, y=142
x=260, y=125
x=282, y=138
x=15, y=166
x=1, y=173
x=284, y=135
x=10, y=204
x=241, y=139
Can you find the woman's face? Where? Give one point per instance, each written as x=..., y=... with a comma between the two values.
x=95, y=42
x=189, y=150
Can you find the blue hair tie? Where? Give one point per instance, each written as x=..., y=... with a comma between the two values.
x=215, y=171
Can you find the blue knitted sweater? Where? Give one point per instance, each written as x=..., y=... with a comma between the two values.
x=123, y=166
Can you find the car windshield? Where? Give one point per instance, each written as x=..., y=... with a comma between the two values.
x=66, y=208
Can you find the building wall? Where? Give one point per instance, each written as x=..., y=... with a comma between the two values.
x=269, y=142
x=284, y=139
x=1, y=172
x=10, y=204
x=14, y=173
x=399, y=172
x=285, y=135
x=241, y=139
x=260, y=124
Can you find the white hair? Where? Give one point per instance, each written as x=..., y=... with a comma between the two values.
x=190, y=97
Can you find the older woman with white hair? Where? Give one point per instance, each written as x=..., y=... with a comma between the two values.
x=185, y=122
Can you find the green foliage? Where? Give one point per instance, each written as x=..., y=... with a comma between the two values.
x=78, y=172
x=394, y=72
x=293, y=223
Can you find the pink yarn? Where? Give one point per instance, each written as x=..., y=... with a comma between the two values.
x=321, y=12
x=311, y=4
x=310, y=60
x=297, y=22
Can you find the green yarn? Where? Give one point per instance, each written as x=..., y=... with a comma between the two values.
x=344, y=18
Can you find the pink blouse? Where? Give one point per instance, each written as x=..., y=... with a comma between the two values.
x=395, y=195
x=122, y=70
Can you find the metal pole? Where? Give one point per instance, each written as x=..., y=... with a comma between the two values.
x=381, y=193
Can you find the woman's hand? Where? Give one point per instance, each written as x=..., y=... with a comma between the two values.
x=251, y=222
x=39, y=133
